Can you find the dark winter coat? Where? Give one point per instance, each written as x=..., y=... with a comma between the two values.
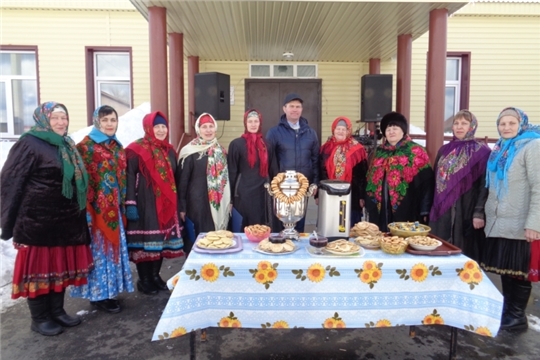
x=296, y=149
x=141, y=194
x=192, y=187
x=249, y=196
x=34, y=211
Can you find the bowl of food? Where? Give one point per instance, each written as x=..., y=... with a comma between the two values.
x=424, y=243
x=394, y=245
x=406, y=229
x=257, y=233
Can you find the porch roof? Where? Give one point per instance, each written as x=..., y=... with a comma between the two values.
x=341, y=31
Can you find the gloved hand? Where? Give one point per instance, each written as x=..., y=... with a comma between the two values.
x=132, y=213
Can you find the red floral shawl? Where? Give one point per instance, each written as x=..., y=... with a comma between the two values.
x=400, y=164
x=156, y=168
x=106, y=167
x=256, y=146
x=342, y=155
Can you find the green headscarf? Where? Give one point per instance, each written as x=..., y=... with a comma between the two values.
x=72, y=164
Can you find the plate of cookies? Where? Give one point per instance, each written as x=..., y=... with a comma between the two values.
x=269, y=248
x=216, y=240
x=342, y=247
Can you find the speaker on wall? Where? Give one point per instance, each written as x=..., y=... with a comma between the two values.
x=376, y=97
x=212, y=95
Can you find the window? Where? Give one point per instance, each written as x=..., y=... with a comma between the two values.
x=458, y=70
x=453, y=77
x=109, y=79
x=282, y=71
x=18, y=89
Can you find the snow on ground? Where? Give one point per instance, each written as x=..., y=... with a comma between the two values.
x=534, y=322
x=129, y=129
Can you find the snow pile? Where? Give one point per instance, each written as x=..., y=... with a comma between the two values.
x=129, y=129
x=129, y=126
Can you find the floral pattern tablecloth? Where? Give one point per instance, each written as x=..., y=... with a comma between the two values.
x=252, y=290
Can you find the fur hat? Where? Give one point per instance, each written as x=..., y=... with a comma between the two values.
x=396, y=119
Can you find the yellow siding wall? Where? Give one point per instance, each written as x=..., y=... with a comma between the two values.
x=340, y=94
x=505, y=67
x=61, y=37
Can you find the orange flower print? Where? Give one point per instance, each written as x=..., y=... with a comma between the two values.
x=365, y=277
x=280, y=325
x=419, y=272
x=230, y=321
x=368, y=265
x=260, y=277
x=470, y=274
x=209, y=272
x=265, y=273
x=175, y=280
x=335, y=322
x=316, y=272
x=329, y=323
x=482, y=330
x=264, y=265
x=383, y=323
x=376, y=274
x=178, y=332
x=433, y=319
x=477, y=276
x=370, y=273
x=271, y=274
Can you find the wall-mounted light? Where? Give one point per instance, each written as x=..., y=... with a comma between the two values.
x=287, y=55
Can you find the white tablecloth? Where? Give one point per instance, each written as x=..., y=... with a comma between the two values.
x=252, y=290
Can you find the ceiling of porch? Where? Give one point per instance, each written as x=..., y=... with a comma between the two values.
x=345, y=31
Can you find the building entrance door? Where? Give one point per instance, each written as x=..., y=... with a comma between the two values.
x=266, y=95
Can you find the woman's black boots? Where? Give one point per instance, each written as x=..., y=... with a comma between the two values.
x=516, y=296
x=42, y=321
x=58, y=314
x=158, y=281
x=145, y=284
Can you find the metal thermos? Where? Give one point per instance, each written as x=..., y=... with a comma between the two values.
x=334, y=209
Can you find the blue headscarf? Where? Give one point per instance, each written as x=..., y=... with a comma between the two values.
x=96, y=134
x=505, y=150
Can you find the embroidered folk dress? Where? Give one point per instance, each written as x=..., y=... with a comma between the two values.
x=151, y=186
x=111, y=274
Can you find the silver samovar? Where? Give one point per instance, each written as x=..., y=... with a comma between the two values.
x=290, y=201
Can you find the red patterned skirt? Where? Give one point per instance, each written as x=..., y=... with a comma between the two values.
x=43, y=269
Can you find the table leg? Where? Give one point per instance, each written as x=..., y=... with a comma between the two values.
x=412, y=331
x=203, y=335
x=192, y=353
x=453, y=343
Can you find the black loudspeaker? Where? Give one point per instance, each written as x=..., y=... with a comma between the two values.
x=376, y=97
x=213, y=94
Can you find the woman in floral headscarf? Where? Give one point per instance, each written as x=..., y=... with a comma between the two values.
x=204, y=191
x=43, y=196
x=105, y=161
x=457, y=214
x=251, y=163
x=153, y=230
x=344, y=158
x=400, y=178
x=512, y=247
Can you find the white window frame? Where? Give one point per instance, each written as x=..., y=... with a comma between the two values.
x=456, y=84
x=99, y=80
x=295, y=71
x=7, y=80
